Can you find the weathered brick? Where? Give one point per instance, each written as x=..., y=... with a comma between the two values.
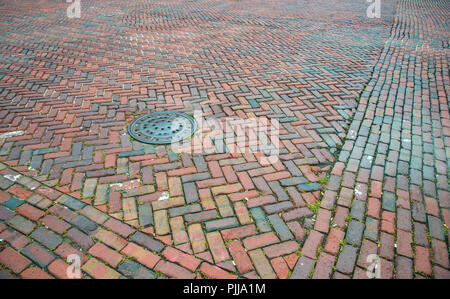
x=105, y=254
x=217, y=247
x=98, y=270
x=38, y=254
x=262, y=265
x=174, y=271
x=215, y=272
x=141, y=255
x=13, y=260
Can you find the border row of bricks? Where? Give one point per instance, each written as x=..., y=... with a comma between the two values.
x=387, y=194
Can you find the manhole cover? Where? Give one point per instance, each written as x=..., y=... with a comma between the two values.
x=162, y=127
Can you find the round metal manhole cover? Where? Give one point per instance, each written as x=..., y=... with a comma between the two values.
x=162, y=127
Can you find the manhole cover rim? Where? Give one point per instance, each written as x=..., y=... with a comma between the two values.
x=172, y=114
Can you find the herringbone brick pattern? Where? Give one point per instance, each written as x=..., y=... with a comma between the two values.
x=70, y=87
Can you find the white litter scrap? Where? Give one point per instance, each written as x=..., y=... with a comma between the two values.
x=125, y=186
x=352, y=134
x=164, y=196
x=119, y=185
x=12, y=134
x=11, y=177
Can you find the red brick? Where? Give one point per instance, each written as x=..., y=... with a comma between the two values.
x=313, y=241
x=119, y=227
x=260, y=201
x=48, y=192
x=55, y=223
x=211, y=182
x=105, y=254
x=173, y=270
x=280, y=249
x=404, y=240
x=280, y=267
x=230, y=175
x=217, y=247
x=388, y=222
x=182, y=171
x=309, y=198
x=185, y=260
x=13, y=260
x=387, y=245
x=245, y=180
x=64, y=250
x=339, y=217
x=432, y=206
x=161, y=181
x=197, y=238
x=324, y=266
x=421, y=261
x=143, y=256
x=441, y=273
x=115, y=203
x=240, y=256
x=66, y=177
x=386, y=269
x=58, y=268
x=297, y=213
x=333, y=241
x=111, y=239
x=227, y=189
x=16, y=239
x=337, y=169
x=155, y=161
x=35, y=273
x=260, y=171
x=239, y=232
x=373, y=208
x=376, y=189
x=4, y=197
x=291, y=260
x=323, y=221
x=215, y=169
x=215, y=272
x=277, y=176
x=30, y=212
x=110, y=161
x=175, y=186
x=297, y=230
x=19, y=192
x=366, y=250
x=440, y=253
x=260, y=240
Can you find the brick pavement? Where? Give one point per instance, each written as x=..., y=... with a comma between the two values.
x=390, y=182
x=73, y=181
